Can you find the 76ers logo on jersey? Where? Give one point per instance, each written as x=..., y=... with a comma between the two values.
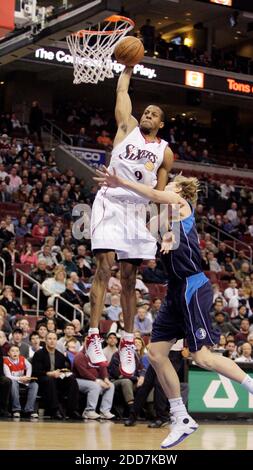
x=133, y=153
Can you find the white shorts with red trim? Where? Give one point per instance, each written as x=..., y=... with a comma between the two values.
x=120, y=225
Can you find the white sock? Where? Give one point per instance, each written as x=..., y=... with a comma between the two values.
x=177, y=407
x=93, y=331
x=128, y=336
x=248, y=383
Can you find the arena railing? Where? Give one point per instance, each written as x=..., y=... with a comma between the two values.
x=2, y=270
x=228, y=237
x=19, y=278
x=57, y=133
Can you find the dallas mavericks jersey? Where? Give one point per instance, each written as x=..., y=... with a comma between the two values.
x=137, y=160
x=185, y=260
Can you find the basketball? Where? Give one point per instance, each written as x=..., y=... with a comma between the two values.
x=129, y=51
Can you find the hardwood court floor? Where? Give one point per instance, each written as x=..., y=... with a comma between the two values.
x=108, y=435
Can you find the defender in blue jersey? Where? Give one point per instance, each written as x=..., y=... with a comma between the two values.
x=185, y=311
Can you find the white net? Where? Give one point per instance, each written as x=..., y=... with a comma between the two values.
x=92, y=50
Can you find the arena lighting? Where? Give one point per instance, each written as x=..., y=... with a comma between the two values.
x=188, y=42
x=226, y=3
x=194, y=79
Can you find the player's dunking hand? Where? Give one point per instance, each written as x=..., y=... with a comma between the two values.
x=105, y=178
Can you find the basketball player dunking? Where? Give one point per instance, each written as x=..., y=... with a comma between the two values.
x=139, y=155
x=185, y=312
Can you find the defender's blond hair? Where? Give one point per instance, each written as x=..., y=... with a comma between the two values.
x=189, y=187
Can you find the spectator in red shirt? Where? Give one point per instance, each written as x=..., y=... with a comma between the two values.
x=95, y=382
x=40, y=230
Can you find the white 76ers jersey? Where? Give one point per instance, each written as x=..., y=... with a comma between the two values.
x=136, y=160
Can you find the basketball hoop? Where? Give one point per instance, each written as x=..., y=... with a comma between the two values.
x=92, y=49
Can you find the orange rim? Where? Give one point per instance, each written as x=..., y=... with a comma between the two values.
x=109, y=19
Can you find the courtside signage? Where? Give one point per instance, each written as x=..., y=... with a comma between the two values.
x=210, y=392
x=93, y=157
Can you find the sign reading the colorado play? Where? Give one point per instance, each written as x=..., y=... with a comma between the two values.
x=63, y=57
x=210, y=392
x=93, y=157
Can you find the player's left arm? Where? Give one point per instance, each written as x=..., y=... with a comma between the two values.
x=105, y=178
x=163, y=172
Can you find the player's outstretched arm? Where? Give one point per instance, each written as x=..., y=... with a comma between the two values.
x=105, y=178
x=123, y=109
x=163, y=172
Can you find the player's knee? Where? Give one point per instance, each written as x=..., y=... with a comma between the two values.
x=103, y=273
x=155, y=357
x=203, y=360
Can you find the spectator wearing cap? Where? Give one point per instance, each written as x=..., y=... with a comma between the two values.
x=220, y=322
x=142, y=323
x=17, y=340
x=111, y=348
x=114, y=309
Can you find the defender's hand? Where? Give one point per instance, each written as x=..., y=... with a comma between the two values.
x=105, y=178
x=167, y=242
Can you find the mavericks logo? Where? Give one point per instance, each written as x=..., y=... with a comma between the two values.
x=200, y=333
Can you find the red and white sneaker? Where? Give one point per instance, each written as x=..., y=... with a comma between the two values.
x=127, y=358
x=94, y=351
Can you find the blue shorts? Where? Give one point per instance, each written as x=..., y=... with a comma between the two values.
x=185, y=313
